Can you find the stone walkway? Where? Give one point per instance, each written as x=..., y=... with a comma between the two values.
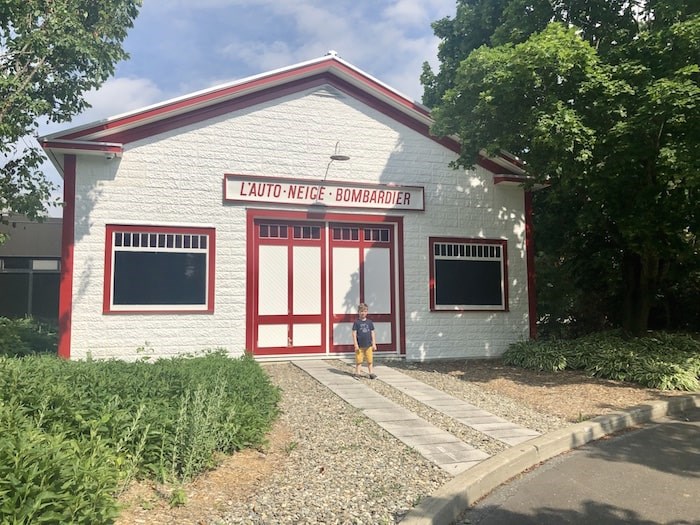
x=442, y=448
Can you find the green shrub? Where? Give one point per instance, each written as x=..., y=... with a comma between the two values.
x=661, y=360
x=166, y=419
x=545, y=356
x=21, y=337
x=49, y=478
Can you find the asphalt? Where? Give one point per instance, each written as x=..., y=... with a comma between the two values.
x=648, y=475
x=580, y=478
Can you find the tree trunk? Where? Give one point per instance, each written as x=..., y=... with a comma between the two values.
x=641, y=278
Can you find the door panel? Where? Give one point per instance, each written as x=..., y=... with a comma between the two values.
x=377, y=280
x=290, y=289
x=307, y=280
x=346, y=282
x=362, y=272
x=273, y=280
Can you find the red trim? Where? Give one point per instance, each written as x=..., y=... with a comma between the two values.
x=530, y=261
x=65, y=303
x=82, y=146
x=168, y=123
x=500, y=179
x=211, y=271
x=496, y=168
x=431, y=271
x=250, y=286
x=400, y=284
x=330, y=67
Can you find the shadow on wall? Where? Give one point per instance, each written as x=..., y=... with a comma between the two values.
x=503, y=211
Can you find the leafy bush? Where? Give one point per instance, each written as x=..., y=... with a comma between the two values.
x=47, y=478
x=21, y=337
x=661, y=360
x=166, y=419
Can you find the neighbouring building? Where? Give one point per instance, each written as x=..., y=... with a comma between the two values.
x=256, y=215
x=29, y=268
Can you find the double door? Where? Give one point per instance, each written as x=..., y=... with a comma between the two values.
x=308, y=279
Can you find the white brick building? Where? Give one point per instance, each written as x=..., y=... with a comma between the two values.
x=233, y=218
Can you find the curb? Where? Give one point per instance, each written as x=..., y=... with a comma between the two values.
x=445, y=505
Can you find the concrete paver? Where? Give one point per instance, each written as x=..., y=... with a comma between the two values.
x=458, y=409
x=438, y=446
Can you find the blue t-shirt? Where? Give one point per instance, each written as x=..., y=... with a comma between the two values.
x=364, y=332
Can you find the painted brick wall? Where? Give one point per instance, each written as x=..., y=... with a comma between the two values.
x=176, y=179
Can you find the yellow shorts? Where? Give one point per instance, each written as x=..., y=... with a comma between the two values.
x=362, y=353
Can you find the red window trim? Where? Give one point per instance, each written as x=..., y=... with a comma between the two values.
x=211, y=253
x=503, y=243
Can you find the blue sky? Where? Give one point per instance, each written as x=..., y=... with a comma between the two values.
x=181, y=46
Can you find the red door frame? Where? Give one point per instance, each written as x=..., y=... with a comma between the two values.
x=252, y=264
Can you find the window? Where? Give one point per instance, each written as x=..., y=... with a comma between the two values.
x=29, y=287
x=159, y=269
x=468, y=274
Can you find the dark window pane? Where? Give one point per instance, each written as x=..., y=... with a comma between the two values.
x=476, y=283
x=14, y=294
x=17, y=263
x=203, y=242
x=45, y=296
x=117, y=239
x=161, y=278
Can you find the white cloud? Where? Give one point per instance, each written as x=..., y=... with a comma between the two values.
x=119, y=95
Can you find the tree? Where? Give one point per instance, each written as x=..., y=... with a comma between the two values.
x=51, y=53
x=599, y=98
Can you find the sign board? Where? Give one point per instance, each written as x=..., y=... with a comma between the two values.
x=304, y=192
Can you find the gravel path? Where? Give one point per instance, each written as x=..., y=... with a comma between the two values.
x=345, y=469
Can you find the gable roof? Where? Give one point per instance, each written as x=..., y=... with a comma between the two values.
x=107, y=137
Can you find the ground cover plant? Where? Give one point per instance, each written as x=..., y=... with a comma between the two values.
x=73, y=434
x=26, y=336
x=661, y=360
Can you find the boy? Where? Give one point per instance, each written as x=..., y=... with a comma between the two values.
x=364, y=339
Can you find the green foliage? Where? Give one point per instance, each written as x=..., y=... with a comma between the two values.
x=49, y=478
x=662, y=360
x=20, y=337
x=112, y=421
x=51, y=54
x=599, y=100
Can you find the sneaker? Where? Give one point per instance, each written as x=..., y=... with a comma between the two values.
x=372, y=376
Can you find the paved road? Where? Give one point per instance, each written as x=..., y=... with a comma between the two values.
x=643, y=476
